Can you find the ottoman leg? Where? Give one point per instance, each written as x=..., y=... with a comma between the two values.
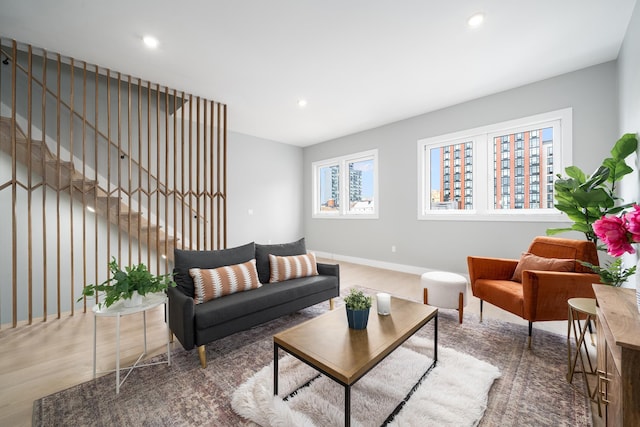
x=460, y=305
x=425, y=296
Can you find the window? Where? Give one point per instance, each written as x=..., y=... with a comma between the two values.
x=504, y=164
x=346, y=186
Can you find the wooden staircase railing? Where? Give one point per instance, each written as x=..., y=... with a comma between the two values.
x=61, y=175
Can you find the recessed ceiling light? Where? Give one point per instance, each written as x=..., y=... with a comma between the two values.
x=302, y=103
x=476, y=20
x=150, y=42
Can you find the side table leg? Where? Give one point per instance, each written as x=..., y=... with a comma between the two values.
x=118, y=353
x=569, y=324
x=144, y=324
x=95, y=330
x=168, y=341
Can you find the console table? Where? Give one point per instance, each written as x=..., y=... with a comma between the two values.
x=618, y=354
x=118, y=310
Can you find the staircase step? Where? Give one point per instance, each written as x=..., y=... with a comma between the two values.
x=84, y=185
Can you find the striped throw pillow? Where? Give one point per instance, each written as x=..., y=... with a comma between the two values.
x=291, y=267
x=221, y=281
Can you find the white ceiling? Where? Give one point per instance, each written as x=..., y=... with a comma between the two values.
x=359, y=63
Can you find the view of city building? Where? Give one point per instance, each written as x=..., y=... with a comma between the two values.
x=522, y=172
x=330, y=188
x=360, y=187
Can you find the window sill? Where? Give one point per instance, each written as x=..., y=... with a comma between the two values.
x=494, y=216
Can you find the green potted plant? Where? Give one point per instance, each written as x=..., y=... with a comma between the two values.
x=612, y=273
x=585, y=199
x=357, y=305
x=131, y=284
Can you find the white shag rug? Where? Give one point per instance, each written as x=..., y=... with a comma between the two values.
x=454, y=393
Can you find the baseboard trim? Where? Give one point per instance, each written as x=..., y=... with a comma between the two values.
x=403, y=268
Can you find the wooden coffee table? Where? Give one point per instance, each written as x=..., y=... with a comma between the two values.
x=345, y=355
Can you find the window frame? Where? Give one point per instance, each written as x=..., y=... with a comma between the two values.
x=344, y=210
x=483, y=191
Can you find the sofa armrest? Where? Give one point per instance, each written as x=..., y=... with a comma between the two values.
x=545, y=293
x=181, y=317
x=329, y=270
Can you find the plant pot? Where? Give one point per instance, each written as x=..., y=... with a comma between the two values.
x=358, y=319
x=134, y=301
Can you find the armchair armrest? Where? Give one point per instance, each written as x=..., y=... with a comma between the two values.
x=181, y=317
x=545, y=293
x=490, y=268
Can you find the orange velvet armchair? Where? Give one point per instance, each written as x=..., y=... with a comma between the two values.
x=542, y=295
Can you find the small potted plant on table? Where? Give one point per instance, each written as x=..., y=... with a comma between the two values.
x=357, y=305
x=130, y=285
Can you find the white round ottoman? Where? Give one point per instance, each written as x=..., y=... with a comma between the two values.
x=445, y=290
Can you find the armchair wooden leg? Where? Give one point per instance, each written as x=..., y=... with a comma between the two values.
x=425, y=296
x=331, y=304
x=481, y=301
x=460, y=305
x=202, y=354
x=530, y=330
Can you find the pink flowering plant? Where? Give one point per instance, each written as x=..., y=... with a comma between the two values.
x=618, y=233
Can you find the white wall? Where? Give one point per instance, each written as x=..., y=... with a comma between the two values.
x=592, y=93
x=264, y=177
x=629, y=83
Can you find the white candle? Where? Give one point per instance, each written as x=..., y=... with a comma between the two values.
x=384, y=303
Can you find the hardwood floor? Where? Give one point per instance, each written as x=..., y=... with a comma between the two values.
x=45, y=357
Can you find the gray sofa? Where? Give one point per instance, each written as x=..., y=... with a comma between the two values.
x=199, y=324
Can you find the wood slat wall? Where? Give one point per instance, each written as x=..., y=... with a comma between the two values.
x=133, y=169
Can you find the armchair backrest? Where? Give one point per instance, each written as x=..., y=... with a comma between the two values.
x=555, y=247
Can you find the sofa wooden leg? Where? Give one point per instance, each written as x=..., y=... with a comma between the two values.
x=460, y=306
x=202, y=354
x=481, y=310
x=425, y=296
x=171, y=337
x=331, y=304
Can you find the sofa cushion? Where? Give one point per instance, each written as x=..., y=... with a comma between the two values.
x=292, y=267
x=243, y=304
x=529, y=261
x=284, y=249
x=221, y=281
x=185, y=260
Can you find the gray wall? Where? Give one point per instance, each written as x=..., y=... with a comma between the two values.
x=431, y=244
x=629, y=80
x=264, y=177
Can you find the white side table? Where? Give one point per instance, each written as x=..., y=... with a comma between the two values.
x=118, y=310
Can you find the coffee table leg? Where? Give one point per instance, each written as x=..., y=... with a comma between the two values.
x=275, y=369
x=435, y=338
x=347, y=405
